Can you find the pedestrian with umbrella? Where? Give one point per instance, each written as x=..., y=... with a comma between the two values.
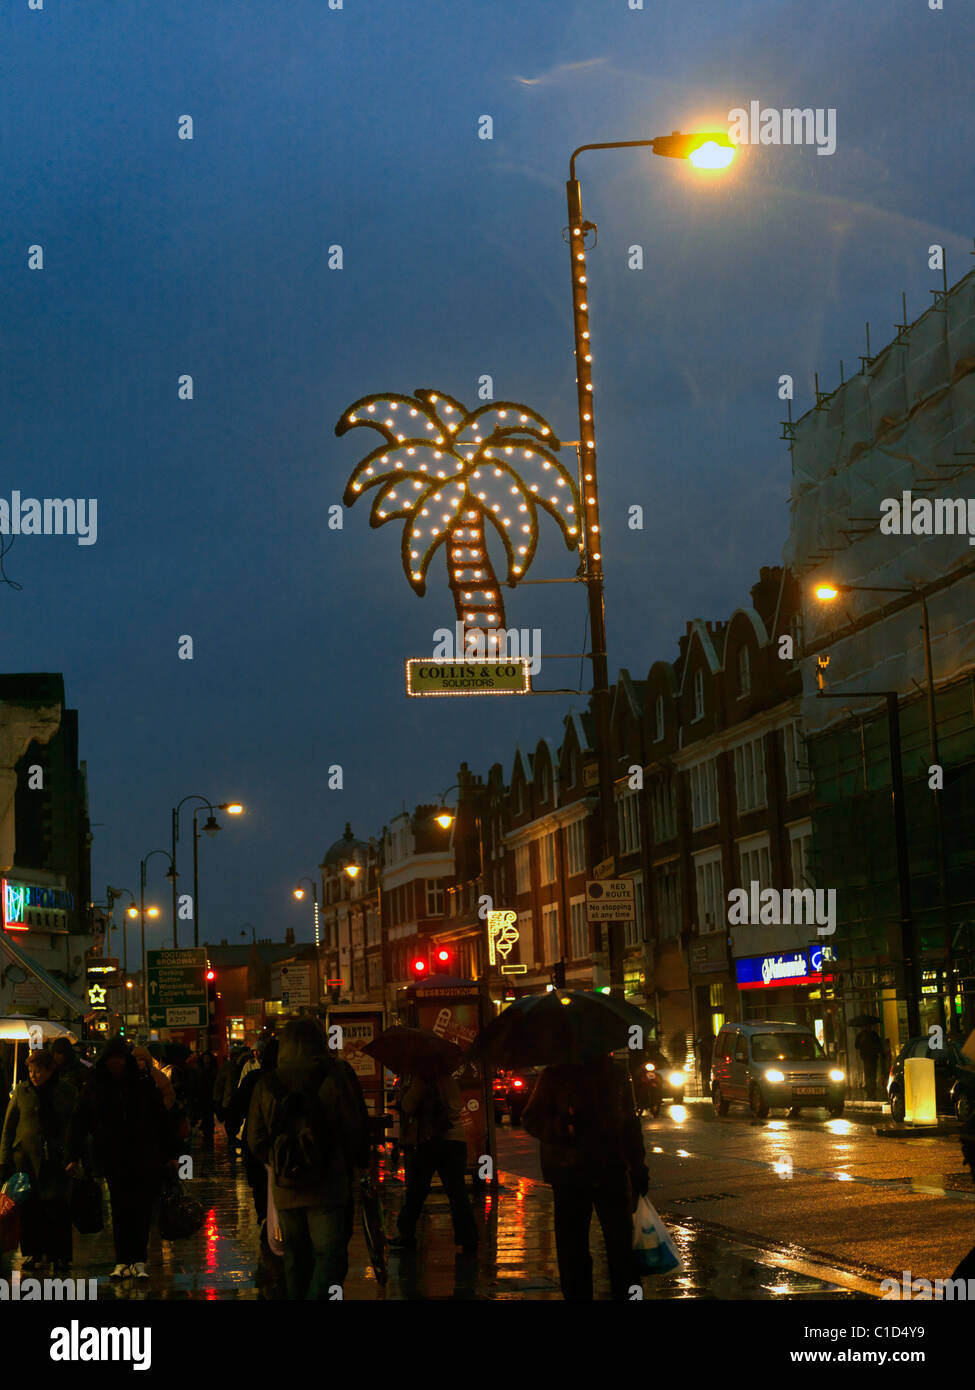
x=35, y=1135
x=431, y=1109
x=582, y=1113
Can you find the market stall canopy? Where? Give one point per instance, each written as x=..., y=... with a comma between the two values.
x=16, y=1028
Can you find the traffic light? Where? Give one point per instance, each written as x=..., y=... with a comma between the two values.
x=418, y=968
x=441, y=961
x=210, y=975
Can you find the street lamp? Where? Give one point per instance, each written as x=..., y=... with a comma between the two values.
x=299, y=894
x=704, y=149
x=445, y=817
x=232, y=808
x=150, y=912
x=212, y=828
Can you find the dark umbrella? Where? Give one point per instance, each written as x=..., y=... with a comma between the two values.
x=560, y=1026
x=864, y=1021
x=408, y=1050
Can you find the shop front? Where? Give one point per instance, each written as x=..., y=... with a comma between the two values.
x=786, y=987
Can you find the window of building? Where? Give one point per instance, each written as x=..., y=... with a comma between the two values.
x=575, y=846
x=628, y=820
x=550, y=934
x=375, y=973
x=579, y=929
x=744, y=672
x=699, y=694
x=800, y=849
x=663, y=809
x=633, y=934
x=547, y=850
x=658, y=709
x=750, y=774
x=704, y=793
x=434, y=897
x=667, y=879
x=755, y=861
x=709, y=882
x=526, y=939
x=372, y=927
x=523, y=874
x=796, y=762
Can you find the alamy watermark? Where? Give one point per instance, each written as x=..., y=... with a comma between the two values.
x=926, y=516
x=775, y=907
x=791, y=126
x=26, y=1289
x=489, y=644
x=50, y=516
x=927, y=1290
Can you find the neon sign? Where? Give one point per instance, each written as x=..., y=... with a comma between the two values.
x=14, y=906
x=502, y=934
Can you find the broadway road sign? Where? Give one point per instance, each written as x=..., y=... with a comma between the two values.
x=610, y=900
x=427, y=676
x=177, y=988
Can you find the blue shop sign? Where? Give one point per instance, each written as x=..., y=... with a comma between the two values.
x=775, y=972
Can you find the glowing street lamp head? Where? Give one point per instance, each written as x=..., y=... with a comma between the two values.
x=132, y=911
x=352, y=870
x=299, y=893
x=827, y=592
x=705, y=149
x=152, y=911
x=234, y=809
x=445, y=820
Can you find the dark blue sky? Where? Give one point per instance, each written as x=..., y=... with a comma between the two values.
x=359, y=127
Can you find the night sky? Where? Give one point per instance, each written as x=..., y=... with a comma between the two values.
x=359, y=127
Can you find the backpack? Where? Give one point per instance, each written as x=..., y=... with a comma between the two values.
x=302, y=1143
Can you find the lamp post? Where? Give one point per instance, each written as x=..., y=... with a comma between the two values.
x=299, y=893
x=828, y=592
x=212, y=828
x=151, y=912
x=233, y=808
x=704, y=150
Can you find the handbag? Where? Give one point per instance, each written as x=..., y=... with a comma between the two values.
x=87, y=1214
x=179, y=1215
x=9, y=1223
x=653, y=1248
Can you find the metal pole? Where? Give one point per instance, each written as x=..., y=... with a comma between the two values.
x=142, y=921
x=607, y=837
x=912, y=981
x=175, y=830
x=948, y=1007
x=196, y=879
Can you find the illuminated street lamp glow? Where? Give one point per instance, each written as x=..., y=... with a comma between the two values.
x=826, y=593
x=711, y=155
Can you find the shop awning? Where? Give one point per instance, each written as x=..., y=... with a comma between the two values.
x=77, y=1008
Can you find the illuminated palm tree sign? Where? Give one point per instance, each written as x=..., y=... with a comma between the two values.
x=450, y=474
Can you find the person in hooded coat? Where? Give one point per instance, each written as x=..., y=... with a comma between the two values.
x=267, y=1051
x=34, y=1141
x=316, y=1218
x=133, y=1137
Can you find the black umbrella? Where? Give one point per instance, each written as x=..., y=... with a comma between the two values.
x=407, y=1050
x=560, y=1026
x=863, y=1021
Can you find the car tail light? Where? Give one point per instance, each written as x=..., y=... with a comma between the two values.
x=516, y=1084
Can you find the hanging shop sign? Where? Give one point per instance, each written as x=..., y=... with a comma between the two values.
x=425, y=676
x=777, y=972
x=502, y=934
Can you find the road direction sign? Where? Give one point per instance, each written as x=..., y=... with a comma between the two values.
x=427, y=676
x=610, y=900
x=177, y=988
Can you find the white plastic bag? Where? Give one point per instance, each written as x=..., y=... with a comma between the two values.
x=273, y=1224
x=653, y=1248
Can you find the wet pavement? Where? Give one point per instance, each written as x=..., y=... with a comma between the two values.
x=516, y=1258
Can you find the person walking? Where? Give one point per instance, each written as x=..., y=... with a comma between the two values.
x=134, y=1141
x=592, y=1156
x=150, y=1066
x=309, y=1123
x=67, y=1066
x=432, y=1132
x=871, y=1050
x=256, y=1171
x=207, y=1080
x=34, y=1141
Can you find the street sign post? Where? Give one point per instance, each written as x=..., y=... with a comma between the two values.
x=610, y=900
x=177, y=988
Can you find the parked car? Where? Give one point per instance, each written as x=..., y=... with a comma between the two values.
x=769, y=1065
x=954, y=1079
x=520, y=1085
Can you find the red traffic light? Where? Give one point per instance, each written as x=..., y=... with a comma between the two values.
x=419, y=967
x=211, y=975
x=443, y=956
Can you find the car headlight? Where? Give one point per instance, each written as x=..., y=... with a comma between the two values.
x=775, y=1075
x=837, y=1075
x=650, y=1067
x=677, y=1078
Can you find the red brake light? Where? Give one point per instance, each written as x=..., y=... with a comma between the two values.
x=518, y=1083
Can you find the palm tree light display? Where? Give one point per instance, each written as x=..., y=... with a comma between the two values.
x=449, y=474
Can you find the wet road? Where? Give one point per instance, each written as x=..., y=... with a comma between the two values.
x=829, y=1197
x=773, y=1210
